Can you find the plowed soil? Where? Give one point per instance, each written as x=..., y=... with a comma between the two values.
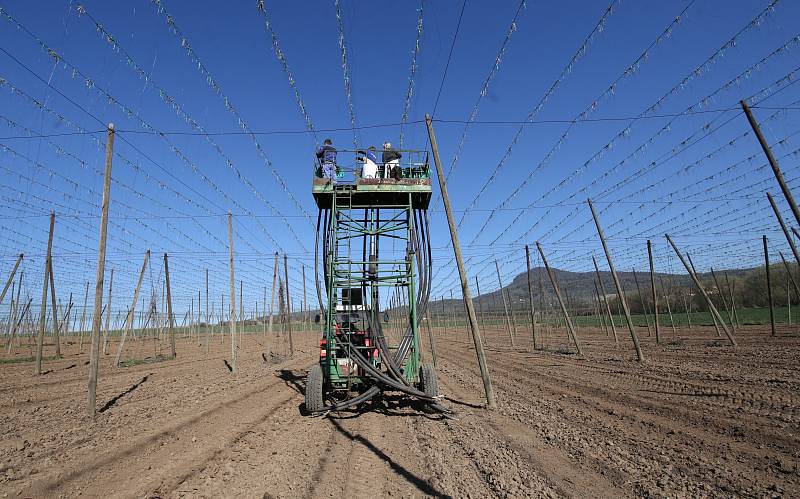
x=699, y=418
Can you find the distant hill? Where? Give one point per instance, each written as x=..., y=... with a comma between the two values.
x=578, y=288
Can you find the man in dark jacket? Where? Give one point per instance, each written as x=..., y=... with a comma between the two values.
x=326, y=155
x=391, y=161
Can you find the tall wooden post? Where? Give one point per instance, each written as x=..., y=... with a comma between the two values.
x=272, y=299
x=132, y=311
x=53, y=301
x=788, y=236
x=264, y=312
x=733, y=300
x=713, y=317
x=789, y=275
x=669, y=307
x=108, y=313
x=83, y=318
x=101, y=264
x=481, y=317
x=776, y=169
x=241, y=309
x=567, y=320
x=620, y=292
x=43, y=312
x=601, y=312
x=722, y=298
x=288, y=305
x=170, y=317
x=530, y=294
x=769, y=287
x=453, y=309
x=641, y=300
x=209, y=328
x=431, y=338
x=199, y=319
x=505, y=305
x=653, y=287
x=13, y=328
x=473, y=320
x=605, y=300
x=700, y=288
x=232, y=313
x=11, y=278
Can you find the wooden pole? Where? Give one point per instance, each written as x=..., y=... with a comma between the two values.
x=431, y=338
x=14, y=324
x=132, y=310
x=43, y=311
x=481, y=317
x=170, y=317
x=786, y=233
x=209, y=330
x=769, y=287
x=264, y=311
x=620, y=292
x=108, y=313
x=232, y=313
x=789, y=274
x=288, y=305
x=83, y=318
x=776, y=169
x=241, y=309
x=641, y=300
x=733, y=300
x=605, y=300
x=722, y=298
x=473, y=320
x=551, y=275
x=653, y=287
x=530, y=294
x=101, y=264
x=11, y=278
x=199, y=319
x=272, y=299
x=716, y=324
x=699, y=286
x=600, y=312
x=669, y=307
x=505, y=305
x=53, y=301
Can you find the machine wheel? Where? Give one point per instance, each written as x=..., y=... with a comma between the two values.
x=427, y=380
x=314, y=385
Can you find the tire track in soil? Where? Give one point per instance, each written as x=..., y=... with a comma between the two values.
x=739, y=398
x=604, y=397
x=129, y=468
x=590, y=404
x=559, y=473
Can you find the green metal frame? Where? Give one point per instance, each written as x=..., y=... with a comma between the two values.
x=345, y=271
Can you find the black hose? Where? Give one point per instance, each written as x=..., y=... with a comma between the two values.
x=420, y=242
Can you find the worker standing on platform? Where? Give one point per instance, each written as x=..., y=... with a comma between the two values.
x=326, y=155
x=391, y=161
x=370, y=168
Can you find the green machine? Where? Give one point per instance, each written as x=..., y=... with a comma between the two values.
x=373, y=270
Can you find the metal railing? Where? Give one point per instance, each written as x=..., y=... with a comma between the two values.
x=349, y=165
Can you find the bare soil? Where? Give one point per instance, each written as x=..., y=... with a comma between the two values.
x=697, y=419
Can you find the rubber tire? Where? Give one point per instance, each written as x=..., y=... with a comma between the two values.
x=427, y=380
x=314, y=385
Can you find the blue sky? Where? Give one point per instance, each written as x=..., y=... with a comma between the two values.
x=693, y=180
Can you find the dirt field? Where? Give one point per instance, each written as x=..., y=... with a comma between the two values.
x=697, y=419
